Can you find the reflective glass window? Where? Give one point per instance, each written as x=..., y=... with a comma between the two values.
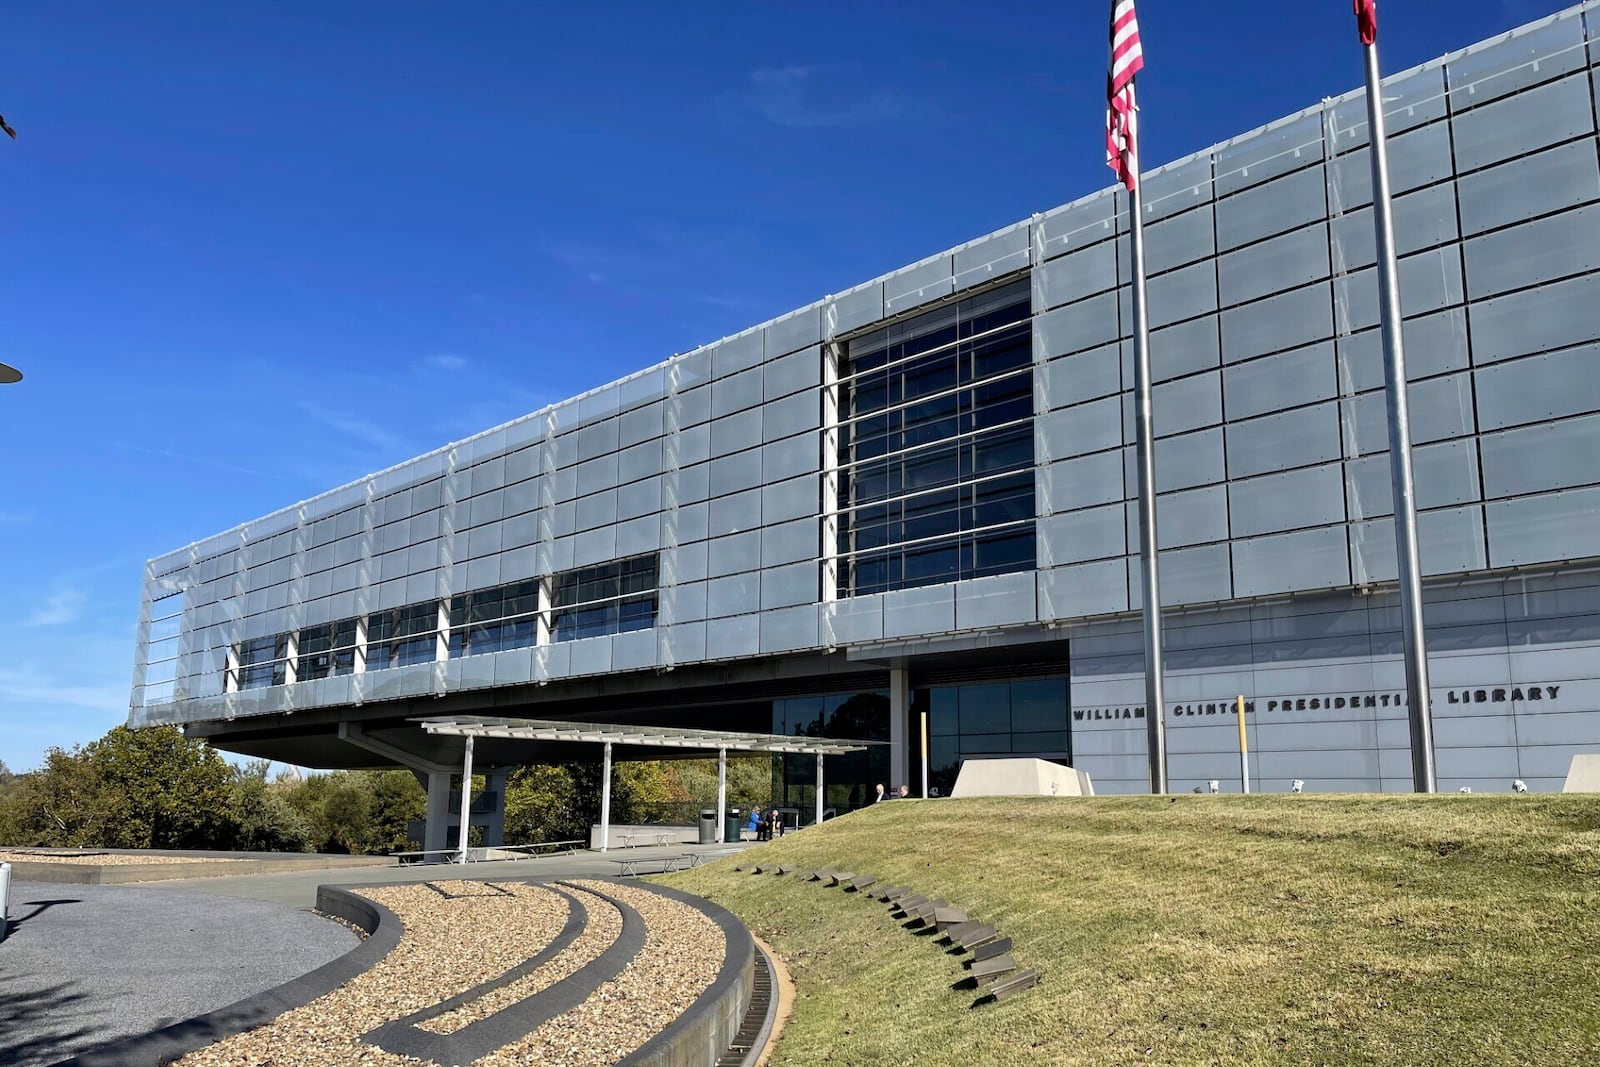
x=607, y=598
x=494, y=620
x=403, y=636
x=262, y=662
x=985, y=709
x=936, y=446
x=1039, y=704
x=326, y=651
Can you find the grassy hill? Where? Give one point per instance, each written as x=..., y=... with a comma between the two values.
x=1198, y=930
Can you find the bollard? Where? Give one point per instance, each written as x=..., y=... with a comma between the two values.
x=5, y=898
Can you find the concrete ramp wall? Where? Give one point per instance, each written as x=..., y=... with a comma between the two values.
x=1583, y=774
x=1021, y=776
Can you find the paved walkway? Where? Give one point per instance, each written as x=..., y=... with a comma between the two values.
x=298, y=889
x=86, y=965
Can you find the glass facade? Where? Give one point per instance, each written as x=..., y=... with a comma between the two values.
x=261, y=662
x=403, y=636
x=849, y=778
x=494, y=620
x=936, y=446
x=1025, y=717
x=611, y=598
x=326, y=651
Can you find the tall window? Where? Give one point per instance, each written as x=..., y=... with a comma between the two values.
x=494, y=620
x=610, y=598
x=403, y=636
x=326, y=651
x=936, y=446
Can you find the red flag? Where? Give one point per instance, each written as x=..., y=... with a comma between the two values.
x=1367, y=20
x=1127, y=59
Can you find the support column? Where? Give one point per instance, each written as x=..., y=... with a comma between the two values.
x=899, y=729
x=436, y=822
x=360, y=659
x=466, y=798
x=819, y=789
x=722, y=796
x=605, y=799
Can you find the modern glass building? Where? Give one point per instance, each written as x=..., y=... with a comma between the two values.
x=916, y=495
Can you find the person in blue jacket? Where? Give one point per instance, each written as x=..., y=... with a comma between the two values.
x=755, y=822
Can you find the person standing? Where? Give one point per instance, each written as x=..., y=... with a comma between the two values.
x=881, y=795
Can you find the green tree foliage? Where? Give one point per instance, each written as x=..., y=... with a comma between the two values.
x=130, y=789
x=543, y=804
x=264, y=820
x=359, y=812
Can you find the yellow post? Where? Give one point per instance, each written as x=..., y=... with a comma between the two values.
x=924, y=755
x=1244, y=749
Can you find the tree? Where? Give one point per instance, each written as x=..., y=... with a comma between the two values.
x=542, y=805
x=156, y=788
x=264, y=820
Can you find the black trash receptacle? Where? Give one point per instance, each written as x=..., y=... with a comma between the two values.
x=708, y=826
x=732, y=821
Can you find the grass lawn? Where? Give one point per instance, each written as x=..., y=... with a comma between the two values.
x=1459, y=930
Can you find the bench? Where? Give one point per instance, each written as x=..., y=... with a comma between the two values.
x=629, y=867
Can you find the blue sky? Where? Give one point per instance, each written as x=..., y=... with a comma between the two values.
x=251, y=252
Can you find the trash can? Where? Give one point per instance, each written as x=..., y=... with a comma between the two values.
x=708, y=826
x=732, y=822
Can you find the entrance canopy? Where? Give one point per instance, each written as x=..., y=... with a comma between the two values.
x=606, y=735
x=645, y=736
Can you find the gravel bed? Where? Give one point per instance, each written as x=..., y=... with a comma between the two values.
x=96, y=859
x=682, y=955
x=601, y=931
x=450, y=945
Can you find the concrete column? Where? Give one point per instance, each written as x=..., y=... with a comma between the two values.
x=466, y=798
x=436, y=824
x=605, y=798
x=819, y=789
x=899, y=728
x=722, y=795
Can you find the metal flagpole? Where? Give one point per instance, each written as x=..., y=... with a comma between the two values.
x=1419, y=708
x=1154, y=698
x=1122, y=155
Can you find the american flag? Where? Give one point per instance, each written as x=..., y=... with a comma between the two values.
x=1127, y=59
x=1367, y=20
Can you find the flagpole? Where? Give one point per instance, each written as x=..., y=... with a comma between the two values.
x=1418, y=698
x=1154, y=700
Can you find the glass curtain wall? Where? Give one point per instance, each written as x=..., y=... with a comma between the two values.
x=848, y=779
x=326, y=651
x=611, y=598
x=936, y=446
x=1021, y=718
x=494, y=620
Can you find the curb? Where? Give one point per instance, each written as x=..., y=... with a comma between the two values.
x=171, y=1042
